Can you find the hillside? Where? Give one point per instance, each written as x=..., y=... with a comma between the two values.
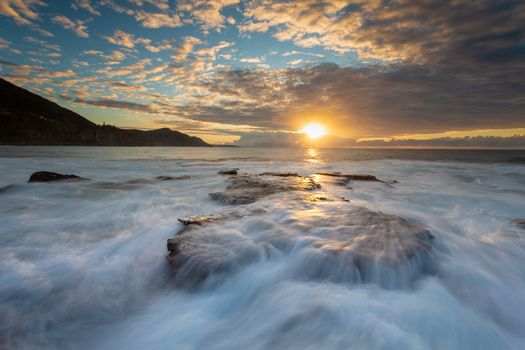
x=29, y=119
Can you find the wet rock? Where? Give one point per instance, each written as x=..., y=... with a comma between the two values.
x=47, y=176
x=338, y=242
x=245, y=189
x=171, y=178
x=347, y=178
x=364, y=246
x=200, y=219
x=196, y=254
x=233, y=171
x=280, y=174
x=520, y=223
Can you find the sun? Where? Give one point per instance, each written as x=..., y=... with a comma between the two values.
x=314, y=130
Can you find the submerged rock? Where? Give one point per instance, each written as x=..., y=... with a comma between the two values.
x=195, y=254
x=6, y=189
x=233, y=171
x=171, y=178
x=520, y=223
x=245, y=189
x=47, y=176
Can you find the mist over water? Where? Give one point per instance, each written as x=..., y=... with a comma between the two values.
x=83, y=263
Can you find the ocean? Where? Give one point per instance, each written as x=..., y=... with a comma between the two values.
x=431, y=256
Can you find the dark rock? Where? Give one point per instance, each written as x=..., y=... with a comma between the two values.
x=47, y=176
x=171, y=178
x=520, y=223
x=344, y=179
x=200, y=219
x=245, y=189
x=7, y=189
x=229, y=171
x=352, y=177
x=280, y=174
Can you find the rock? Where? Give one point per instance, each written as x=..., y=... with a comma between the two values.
x=363, y=246
x=520, y=223
x=338, y=242
x=200, y=219
x=229, y=171
x=352, y=177
x=245, y=189
x=196, y=254
x=280, y=174
x=171, y=178
x=47, y=176
x=7, y=189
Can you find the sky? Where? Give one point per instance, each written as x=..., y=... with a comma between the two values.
x=257, y=72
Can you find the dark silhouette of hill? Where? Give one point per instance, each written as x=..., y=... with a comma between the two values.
x=29, y=119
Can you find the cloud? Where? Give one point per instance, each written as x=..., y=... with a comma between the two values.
x=125, y=86
x=137, y=67
x=185, y=48
x=295, y=62
x=125, y=39
x=42, y=43
x=206, y=12
x=252, y=60
x=373, y=101
x=160, y=4
x=23, y=73
x=211, y=52
x=516, y=141
x=115, y=55
x=21, y=11
x=116, y=104
x=157, y=20
x=4, y=44
x=293, y=139
x=78, y=27
x=409, y=30
x=86, y=5
x=294, y=52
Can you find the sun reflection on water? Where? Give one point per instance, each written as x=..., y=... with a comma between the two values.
x=313, y=156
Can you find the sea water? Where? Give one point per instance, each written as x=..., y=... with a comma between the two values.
x=82, y=264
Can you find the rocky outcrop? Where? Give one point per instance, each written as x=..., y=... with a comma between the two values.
x=47, y=176
x=245, y=189
x=233, y=171
x=345, y=243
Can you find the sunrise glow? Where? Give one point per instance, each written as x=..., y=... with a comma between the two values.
x=314, y=130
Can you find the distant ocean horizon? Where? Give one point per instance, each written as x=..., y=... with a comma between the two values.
x=267, y=153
